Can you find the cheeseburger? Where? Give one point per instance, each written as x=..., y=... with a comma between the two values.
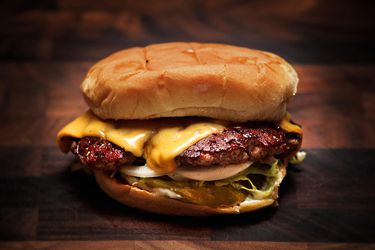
x=187, y=128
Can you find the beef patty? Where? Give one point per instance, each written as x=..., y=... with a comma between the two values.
x=238, y=145
x=101, y=154
x=232, y=146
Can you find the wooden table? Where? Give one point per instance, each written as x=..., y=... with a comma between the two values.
x=46, y=47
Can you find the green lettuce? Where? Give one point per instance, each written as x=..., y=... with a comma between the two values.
x=271, y=175
x=243, y=183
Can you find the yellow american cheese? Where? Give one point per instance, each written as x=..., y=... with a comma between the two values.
x=159, y=141
x=286, y=125
x=131, y=136
x=169, y=142
x=165, y=138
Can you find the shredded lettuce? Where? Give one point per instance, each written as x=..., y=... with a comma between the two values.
x=257, y=193
x=241, y=184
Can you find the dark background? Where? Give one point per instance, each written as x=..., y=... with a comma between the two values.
x=47, y=46
x=303, y=31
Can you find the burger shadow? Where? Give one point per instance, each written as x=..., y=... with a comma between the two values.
x=87, y=192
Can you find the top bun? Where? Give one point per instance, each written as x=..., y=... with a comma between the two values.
x=190, y=79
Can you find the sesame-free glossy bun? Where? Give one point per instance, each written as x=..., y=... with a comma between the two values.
x=190, y=79
x=155, y=203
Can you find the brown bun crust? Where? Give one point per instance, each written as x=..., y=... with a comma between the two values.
x=190, y=79
x=147, y=201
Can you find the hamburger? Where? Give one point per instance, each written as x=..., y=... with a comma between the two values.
x=187, y=128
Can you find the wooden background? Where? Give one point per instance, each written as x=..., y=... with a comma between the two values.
x=46, y=47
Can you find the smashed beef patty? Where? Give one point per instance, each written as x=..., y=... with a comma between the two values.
x=238, y=145
x=100, y=153
x=232, y=146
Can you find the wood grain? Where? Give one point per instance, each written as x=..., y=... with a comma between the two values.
x=173, y=244
x=311, y=31
x=69, y=205
x=46, y=48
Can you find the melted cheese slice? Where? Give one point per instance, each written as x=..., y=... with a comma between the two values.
x=130, y=136
x=166, y=138
x=286, y=125
x=168, y=143
x=159, y=141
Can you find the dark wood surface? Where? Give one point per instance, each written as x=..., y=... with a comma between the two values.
x=46, y=47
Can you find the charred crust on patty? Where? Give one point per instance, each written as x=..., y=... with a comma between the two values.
x=101, y=154
x=232, y=146
x=238, y=145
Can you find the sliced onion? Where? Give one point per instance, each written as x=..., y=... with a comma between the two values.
x=140, y=171
x=212, y=173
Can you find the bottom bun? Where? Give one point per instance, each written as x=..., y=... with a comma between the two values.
x=155, y=203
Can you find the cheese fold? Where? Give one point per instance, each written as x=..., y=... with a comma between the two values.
x=166, y=138
x=159, y=141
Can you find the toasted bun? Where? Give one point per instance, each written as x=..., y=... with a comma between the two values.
x=147, y=201
x=190, y=79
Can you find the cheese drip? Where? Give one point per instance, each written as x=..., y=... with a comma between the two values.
x=286, y=125
x=167, y=143
x=159, y=141
x=166, y=138
x=130, y=136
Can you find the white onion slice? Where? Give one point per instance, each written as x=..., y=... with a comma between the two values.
x=140, y=171
x=213, y=173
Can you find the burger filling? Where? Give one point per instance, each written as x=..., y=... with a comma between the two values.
x=256, y=182
x=232, y=146
x=222, y=169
